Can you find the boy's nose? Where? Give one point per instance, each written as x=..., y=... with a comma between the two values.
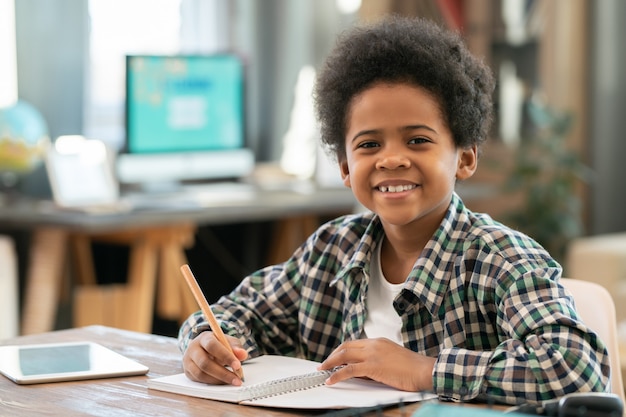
x=393, y=158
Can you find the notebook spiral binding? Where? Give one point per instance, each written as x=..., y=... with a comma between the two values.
x=284, y=385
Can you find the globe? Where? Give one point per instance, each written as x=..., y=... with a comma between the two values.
x=23, y=141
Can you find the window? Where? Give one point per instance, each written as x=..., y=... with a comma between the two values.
x=140, y=27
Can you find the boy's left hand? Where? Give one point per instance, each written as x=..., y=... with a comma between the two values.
x=381, y=360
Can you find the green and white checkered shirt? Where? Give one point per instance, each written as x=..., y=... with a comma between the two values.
x=483, y=299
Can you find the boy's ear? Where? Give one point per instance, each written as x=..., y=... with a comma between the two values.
x=468, y=162
x=345, y=172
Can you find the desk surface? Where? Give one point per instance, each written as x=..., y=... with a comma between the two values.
x=127, y=396
x=207, y=208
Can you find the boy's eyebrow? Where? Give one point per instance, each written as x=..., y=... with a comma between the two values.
x=362, y=133
x=404, y=128
x=415, y=127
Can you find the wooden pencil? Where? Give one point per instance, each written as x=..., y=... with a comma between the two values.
x=206, y=310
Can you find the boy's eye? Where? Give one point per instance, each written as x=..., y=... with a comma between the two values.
x=418, y=140
x=368, y=144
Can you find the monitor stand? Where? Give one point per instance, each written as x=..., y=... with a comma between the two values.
x=159, y=187
x=170, y=169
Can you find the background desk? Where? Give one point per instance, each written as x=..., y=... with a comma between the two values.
x=157, y=239
x=125, y=396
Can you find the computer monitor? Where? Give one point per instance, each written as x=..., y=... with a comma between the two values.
x=184, y=119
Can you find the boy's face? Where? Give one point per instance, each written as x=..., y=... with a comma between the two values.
x=401, y=160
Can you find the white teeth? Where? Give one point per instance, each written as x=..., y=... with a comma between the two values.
x=395, y=188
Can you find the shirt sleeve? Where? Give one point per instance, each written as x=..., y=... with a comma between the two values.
x=545, y=350
x=293, y=308
x=262, y=311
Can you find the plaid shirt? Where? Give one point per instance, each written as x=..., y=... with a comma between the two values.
x=482, y=298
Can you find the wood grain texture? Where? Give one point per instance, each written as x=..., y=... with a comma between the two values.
x=127, y=396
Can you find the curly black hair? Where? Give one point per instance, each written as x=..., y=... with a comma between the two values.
x=405, y=50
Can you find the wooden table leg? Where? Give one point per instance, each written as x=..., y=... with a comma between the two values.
x=83, y=259
x=9, y=293
x=174, y=300
x=43, y=280
x=138, y=310
x=289, y=233
x=128, y=306
x=131, y=306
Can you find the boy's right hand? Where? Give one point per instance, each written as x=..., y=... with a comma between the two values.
x=206, y=360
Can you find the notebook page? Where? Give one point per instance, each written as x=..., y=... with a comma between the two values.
x=352, y=393
x=257, y=370
x=355, y=392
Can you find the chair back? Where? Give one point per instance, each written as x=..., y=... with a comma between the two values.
x=596, y=308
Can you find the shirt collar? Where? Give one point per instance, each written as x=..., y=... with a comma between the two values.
x=430, y=277
x=360, y=260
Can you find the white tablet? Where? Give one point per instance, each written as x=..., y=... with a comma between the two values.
x=81, y=173
x=52, y=362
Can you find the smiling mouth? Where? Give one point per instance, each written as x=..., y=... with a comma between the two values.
x=396, y=188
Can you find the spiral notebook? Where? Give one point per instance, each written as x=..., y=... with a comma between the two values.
x=285, y=382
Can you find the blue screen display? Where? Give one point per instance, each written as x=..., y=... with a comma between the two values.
x=184, y=103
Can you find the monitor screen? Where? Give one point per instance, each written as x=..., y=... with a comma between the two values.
x=184, y=103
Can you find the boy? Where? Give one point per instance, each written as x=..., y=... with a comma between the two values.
x=419, y=292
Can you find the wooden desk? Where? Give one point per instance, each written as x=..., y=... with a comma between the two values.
x=158, y=238
x=126, y=396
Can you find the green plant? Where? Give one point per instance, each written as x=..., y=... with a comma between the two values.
x=548, y=175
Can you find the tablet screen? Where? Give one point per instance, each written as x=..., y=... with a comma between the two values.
x=30, y=364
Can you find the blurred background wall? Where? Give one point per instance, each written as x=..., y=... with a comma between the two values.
x=570, y=55
x=607, y=115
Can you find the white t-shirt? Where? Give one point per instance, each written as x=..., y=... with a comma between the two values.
x=382, y=319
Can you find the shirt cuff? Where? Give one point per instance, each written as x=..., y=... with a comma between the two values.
x=458, y=374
